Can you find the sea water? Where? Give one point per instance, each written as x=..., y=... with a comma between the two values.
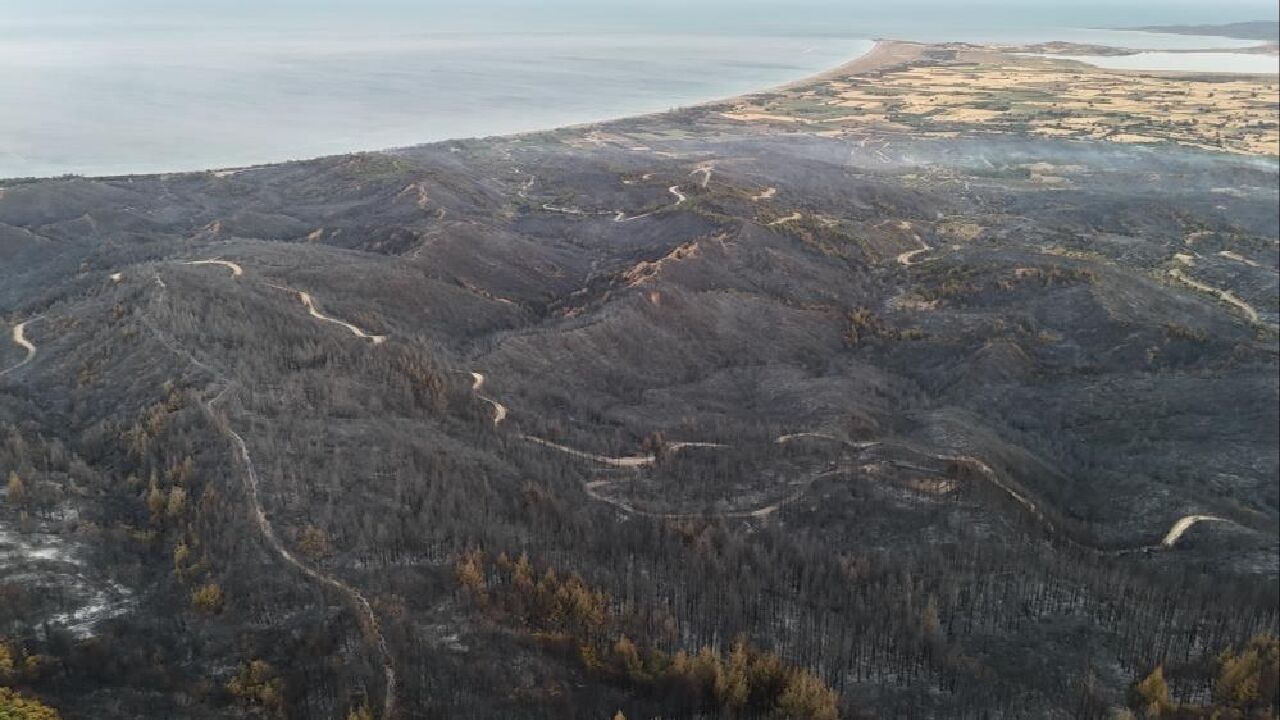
x=102, y=87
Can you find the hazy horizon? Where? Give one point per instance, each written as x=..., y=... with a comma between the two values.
x=139, y=86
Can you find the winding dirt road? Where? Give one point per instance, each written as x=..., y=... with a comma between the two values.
x=236, y=270
x=907, y=259
x=634, y=461
x=367, y=618
x=1185, y=524
x=309, y=303
x=593, y=491
x=20, y=339
x=499, y=410
x=1225, y=296
x=619, y=216
x=678, y=446
x=1170, y=539
x=305, y=297
x=364, y=611
x=315, y=313
x=784, y=439
x=1239, y=258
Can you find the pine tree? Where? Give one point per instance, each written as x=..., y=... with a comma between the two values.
x=470, y=572
x=1247, y=680
x=208, y=599
x=1150, y=697
x=16, y=488
x=16, y=706
x=808, y=698
x=732, y=686
x=628, y=659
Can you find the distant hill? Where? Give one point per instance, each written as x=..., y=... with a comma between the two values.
x=1261, y=31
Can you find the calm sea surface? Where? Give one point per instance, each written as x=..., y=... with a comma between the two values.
x=131, y=86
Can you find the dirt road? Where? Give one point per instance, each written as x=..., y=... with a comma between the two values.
x=315, y=313
x=236, y=270
x=634, y=461
x=790, y=218
x=593, y=491
x=364, y=611
x=20, y=339
x=1185, y=524
x=1225, y=296
x=368, y=620
x=499, y=410
x=1180, y=526
x=907, y=259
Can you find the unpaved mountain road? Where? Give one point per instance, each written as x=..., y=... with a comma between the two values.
x=634, y=461
x=305, y=297
x=1225, y=296
x=1180, y=526
x=907, y=259
x=20, y=339
x=499, y=410
x=315, y=313
x=619, y=216
x=1185, y=524
x=236, y=270
x=593, y=490
x=364, y=611
x=368, y=620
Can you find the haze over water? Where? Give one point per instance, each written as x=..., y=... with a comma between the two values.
x=132, y=86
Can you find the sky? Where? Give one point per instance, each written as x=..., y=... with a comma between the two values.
x=697, y=15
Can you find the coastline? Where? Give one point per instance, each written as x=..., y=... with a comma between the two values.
x=884, y=54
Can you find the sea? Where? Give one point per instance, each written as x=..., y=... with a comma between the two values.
x=110, y=87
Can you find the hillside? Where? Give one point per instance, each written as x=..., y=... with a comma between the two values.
x=728, y=411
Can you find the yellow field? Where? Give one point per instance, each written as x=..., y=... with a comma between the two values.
x=990, y=91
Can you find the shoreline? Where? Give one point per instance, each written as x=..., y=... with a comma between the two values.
x=884, y=54
x=875, y=58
